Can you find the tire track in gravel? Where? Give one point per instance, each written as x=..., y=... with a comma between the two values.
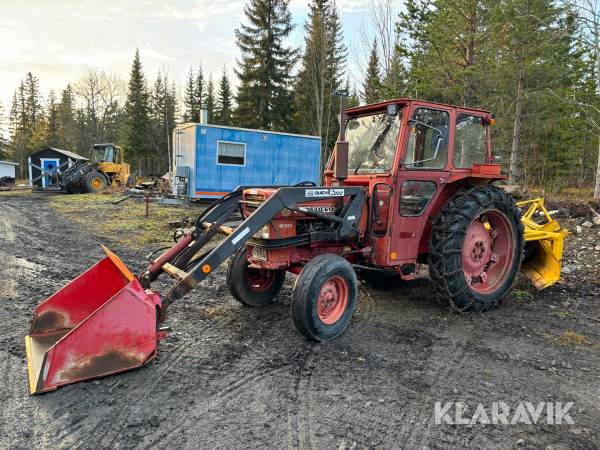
x=215, y=332
x=248, y=381
x=7, y=233
x=104, y=427
x=299, y=429
x=247, y=374
x=145, y=380
x=416, y=429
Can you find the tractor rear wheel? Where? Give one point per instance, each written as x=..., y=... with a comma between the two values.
x=324, y=298
x=476, y=248
x=249, y=286
x=95, y=181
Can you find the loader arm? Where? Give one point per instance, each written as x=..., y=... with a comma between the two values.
x=344, y=226
x=106, y=320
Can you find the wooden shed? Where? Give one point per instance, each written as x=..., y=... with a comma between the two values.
x=46, y=165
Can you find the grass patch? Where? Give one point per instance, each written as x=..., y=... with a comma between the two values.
x=571, y=338
x=124, y=222
x=522, y=294
x=562, y=314
x=487, y=374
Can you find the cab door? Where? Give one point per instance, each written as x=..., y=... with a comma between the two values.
x=422, y=175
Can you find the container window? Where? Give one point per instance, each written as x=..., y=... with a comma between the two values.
x=231, y=153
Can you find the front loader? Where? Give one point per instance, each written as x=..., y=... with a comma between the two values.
x=105, y=169
x=409, y=183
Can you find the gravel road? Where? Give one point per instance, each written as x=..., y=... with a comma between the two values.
x=229, y=376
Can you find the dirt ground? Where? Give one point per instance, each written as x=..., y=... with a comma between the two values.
x=230, y=376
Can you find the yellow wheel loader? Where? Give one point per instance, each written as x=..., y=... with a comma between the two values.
x=106, y=168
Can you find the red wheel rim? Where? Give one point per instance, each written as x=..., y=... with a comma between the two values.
x=488, y=251
x=333, y=300
x=260, y=280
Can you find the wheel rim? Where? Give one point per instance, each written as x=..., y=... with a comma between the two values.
x=333, y=300
x=96, y=183
x=488, y=251
x=260, y=280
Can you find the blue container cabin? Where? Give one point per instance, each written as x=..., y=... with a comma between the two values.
x=213, y=160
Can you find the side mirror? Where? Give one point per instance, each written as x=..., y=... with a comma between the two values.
x=392, y=110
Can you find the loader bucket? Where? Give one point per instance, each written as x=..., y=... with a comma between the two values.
x=544, y=241
x=102, y=322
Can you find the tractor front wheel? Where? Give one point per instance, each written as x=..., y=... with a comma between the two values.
x=250, y=286
x=95, y=181
x=476, y=248
x=324, y=298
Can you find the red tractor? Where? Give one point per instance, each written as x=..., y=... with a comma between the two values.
x=409, y=183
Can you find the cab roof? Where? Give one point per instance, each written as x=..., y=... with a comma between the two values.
x=406, y=101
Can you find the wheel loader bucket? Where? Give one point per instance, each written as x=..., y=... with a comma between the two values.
x=102, y=322
x=543, y=244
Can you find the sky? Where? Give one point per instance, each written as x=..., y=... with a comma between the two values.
x=58, y=39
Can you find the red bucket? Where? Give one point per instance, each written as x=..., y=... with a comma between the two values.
x=102, y=322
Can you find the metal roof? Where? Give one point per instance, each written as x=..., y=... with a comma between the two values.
x=67, y=153
x=9, y=162
x=183, y=126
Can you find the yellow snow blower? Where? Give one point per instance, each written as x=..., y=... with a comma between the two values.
x=543, y=244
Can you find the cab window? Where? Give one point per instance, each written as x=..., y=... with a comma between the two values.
x=469, y=141
x=428, y=140
x=372, y=142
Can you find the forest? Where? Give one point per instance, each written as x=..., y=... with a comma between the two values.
x=534, y=63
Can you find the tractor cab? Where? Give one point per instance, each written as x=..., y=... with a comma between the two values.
x=407, y=135
x=110, y=153
x=411, y=156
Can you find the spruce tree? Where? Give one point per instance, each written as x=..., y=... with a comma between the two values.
x=33, y=100
x=136, y=112
x=353, y=97
x=265, y=70
x=2, y=122
x=66, y=118
x=192, y=106
x=394, y=83
x=450, y=48
x=372, y=84
x=3, y=135
x=210, y=100
x=200, y=91
x=321, y=73
x=162, y=115
x=53, y=114
x=224, y=104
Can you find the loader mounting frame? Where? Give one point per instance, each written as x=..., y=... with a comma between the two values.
x=189, y=266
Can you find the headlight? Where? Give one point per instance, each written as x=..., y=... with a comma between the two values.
x=265, y=232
